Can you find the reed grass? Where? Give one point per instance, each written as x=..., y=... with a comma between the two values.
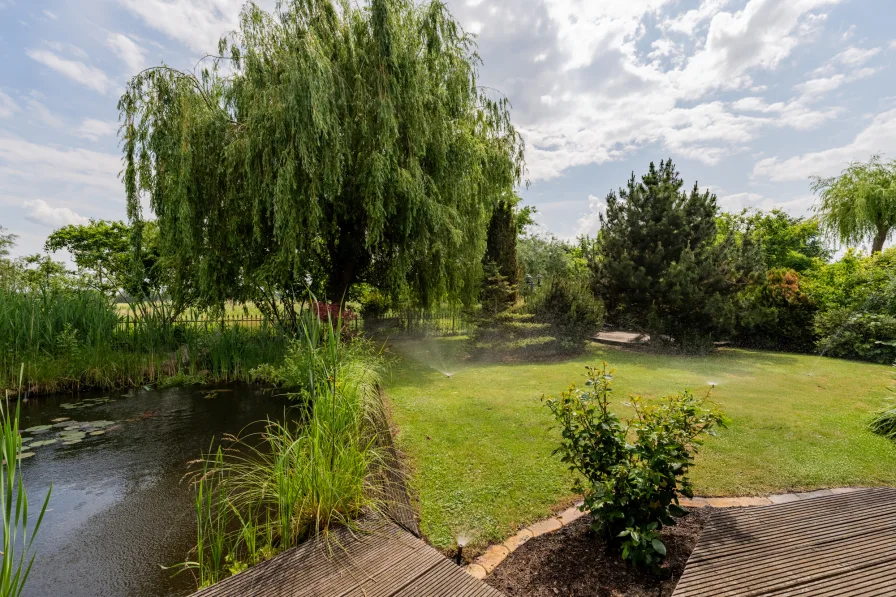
x=74, y=340
x=268, y=491
x=18, y=539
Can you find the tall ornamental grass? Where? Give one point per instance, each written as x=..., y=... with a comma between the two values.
x=269, y=491
x=18, y=532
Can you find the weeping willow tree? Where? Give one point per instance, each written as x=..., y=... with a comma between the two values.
x=325, y=144
x=860, y=203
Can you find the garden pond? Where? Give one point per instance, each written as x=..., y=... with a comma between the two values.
x=121, y=507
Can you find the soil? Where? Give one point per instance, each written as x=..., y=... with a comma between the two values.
x=575, y=562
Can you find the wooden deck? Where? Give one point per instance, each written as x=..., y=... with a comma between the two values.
x=385, y=561
x=835, y=546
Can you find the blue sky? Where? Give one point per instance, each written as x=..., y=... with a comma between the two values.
x=749, y=97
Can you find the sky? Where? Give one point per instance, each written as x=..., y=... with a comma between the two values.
x=748, y=97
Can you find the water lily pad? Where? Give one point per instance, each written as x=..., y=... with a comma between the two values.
x=101, y=423
x=25, y=455
x=37, y=428
x=72, y=433
x=147, y=388
x=72, y=442
x=97, y=432
x=60, y=420
x=72, y=427
x=45, y=442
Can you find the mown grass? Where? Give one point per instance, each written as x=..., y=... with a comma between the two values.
x=480, y=446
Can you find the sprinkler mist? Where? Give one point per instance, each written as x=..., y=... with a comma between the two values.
x=448, y=375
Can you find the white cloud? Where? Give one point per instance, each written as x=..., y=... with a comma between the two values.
x=75, y=70
x=8, y=106
x=93, y=129
x=132, y=54
x=589, y=223
x=40, y=212
x=856, y=56
x=476, y=27
x=199, y=24
x=689, y=22
x=878, y=137
x=33, y=164
x=603, y=88
x=42, y=113
x=49, y=14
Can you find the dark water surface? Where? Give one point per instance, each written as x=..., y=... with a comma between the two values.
x=120, y=507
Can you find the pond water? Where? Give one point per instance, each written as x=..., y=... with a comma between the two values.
x=120, y=507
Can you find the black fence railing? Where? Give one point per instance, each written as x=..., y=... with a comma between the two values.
x=445, y=321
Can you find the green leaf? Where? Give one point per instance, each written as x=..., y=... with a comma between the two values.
x=658, y=547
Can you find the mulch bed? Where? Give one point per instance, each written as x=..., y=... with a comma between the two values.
x=572, y=561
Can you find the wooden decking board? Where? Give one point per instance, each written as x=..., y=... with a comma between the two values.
x=803, y=556
x=387, y=561
x=834, y=546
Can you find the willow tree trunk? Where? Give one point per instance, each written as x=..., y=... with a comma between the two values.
x=878, y=244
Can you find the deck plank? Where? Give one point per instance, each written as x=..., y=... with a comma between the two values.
x=384, y=561
x=833, y=546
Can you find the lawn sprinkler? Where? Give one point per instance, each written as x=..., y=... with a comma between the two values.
x=461, y=542
x=448, y=375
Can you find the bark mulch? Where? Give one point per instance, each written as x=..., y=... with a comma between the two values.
x=574, y=562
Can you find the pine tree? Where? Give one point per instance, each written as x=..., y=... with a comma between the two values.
x=500, y=253
x=663, y=267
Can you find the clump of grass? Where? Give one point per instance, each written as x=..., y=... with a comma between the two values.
x=295, y=480
x=17, y=543
x=884, y=423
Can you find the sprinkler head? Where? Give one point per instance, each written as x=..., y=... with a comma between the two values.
x=448, y=375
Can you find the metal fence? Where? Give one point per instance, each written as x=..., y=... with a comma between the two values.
x=445, y=321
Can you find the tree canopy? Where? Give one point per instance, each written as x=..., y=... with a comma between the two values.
x=860, y=204
x=328, y=143
x=662, y=267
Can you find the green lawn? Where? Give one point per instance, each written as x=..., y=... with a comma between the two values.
x=480, y=447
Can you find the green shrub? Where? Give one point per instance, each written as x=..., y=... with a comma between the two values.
x=857, y=335
x=777, y=313
x=374, y=304
x=570, y=308
x=630, y=472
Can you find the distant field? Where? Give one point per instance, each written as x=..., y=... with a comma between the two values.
x=480, y=445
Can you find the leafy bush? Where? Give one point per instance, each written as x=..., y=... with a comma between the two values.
x=374, y=304
x=570, y=307
x=858, y=335
x=777, y=313
x=631, y=472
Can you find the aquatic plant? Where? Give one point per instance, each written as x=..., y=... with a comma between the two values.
x=271, y=490
x=18, y=555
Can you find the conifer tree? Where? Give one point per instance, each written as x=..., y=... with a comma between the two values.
x=663, y=268
x=500, y=261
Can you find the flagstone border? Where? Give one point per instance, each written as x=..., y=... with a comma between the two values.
x=495, y=554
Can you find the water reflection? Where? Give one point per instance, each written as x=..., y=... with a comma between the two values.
x=120, y=508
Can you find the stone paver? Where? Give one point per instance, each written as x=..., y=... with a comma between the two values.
x=548, y=525
x=569, y=515
x=514, y=542
x=784, y=498
x=817, y=493
x=476, y=571
x=840, y=490
x=493, y=556
x=696, y=502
